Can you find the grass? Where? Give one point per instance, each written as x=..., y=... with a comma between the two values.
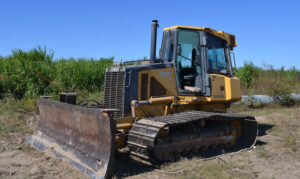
x=206, y=169
x=28, y=74
x=98, y=95
x=263, y=110
x=11, y=127
x=24, y=76
x=13, y=116
x=286, y=128
x=15, y=113
x=281, y=141
x=267, y=80
x=290, y=142
x=35, y=72
x=262, y=152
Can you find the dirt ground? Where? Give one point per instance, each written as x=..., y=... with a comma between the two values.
x=276, y=154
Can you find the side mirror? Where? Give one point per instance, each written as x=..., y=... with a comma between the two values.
x=178, y=49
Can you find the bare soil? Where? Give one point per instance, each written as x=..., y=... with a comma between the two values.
x=276, y=154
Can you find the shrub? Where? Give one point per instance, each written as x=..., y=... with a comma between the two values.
x=253, y=103
x=280, y=85
x=292, y=74
x=268, y=80
x=282, y=95
x=247, y=74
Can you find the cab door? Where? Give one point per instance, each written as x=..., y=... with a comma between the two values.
x=189, y=66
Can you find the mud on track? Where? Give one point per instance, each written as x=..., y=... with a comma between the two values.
x=276, y=155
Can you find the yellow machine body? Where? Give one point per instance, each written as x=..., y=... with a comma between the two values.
x=229, y=38
x=225, y=90
x=159, y=108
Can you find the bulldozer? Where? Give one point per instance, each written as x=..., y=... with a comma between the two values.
x=158, y=108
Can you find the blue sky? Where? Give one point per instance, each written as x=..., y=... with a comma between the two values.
x=267, y=32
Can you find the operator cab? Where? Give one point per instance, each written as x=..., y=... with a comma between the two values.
x=195, y=53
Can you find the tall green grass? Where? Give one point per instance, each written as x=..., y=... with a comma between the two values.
x=33, y=73
x=267, y=80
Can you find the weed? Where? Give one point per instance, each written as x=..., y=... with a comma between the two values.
x=253, y=103
x=276, y=83
x=262, y=152
x=97, y=95
x=290, y=141
x=276, y=131
x=13, y=116
x=25, y=147
x=11, y=126
x=207, y=169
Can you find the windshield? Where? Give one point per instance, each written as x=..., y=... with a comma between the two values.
x=217, y=61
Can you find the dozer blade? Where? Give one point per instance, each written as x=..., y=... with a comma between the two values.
x=84, y=136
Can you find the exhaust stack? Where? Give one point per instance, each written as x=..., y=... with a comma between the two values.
x=153, y=40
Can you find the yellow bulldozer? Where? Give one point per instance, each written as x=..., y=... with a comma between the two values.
x=158, y=108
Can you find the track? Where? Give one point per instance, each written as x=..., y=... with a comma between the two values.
x=163, y=138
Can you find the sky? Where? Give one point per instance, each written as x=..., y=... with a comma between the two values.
x=267, y=32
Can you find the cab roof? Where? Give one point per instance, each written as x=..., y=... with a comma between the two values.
x=229, y=38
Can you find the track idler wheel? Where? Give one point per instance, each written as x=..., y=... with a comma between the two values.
x=237, y=126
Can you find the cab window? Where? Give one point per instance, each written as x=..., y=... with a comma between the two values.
x=217, y=62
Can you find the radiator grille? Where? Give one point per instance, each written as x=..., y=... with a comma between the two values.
x=113, y=92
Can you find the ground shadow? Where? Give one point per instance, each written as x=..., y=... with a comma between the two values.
x=127, y=166
x=260, y=143
x=263, y=128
